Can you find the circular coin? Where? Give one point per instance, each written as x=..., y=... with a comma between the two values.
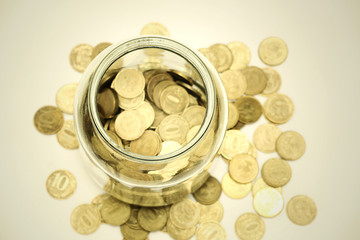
x=115, y=212
x=131, y=103
x=61, y=184
x=174, y=99
x=265, y=137
x=274, y=81
x=250, y=109
x=184, y=214
x=212, y=212
x=129, y=83
x=235, y=142
x=152, y=218
x=80, y=57
x=243, y=168
x=99, y=48
x=173, y=128
x=256, y=80
x=210, y=230
x=234, y=189
x=273, y=51
x=301, y=210
x=268, y=202
x=260, y=184
x=85, y=219
x=154, y=28
x=66, y=137
x=233, y=115
x=241, y=55
x=133, y=234
x=276, y=172
x=129, y=125
x=149, y=144
x=147, y=113
x=290, y=145
x=234, y=83
x=223, y=57
x=180, y=233
x=65, y=98
x=278, y=108
x=194, y=115
x=107, y=103
x=209, y=192
x=48, y=120
x=249, y=226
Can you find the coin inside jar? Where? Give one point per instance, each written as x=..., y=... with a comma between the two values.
x=149, y=144
x=129, y=125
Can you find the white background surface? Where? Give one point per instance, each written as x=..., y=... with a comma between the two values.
x=321, y=75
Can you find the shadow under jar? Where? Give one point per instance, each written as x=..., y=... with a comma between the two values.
x=150, y=180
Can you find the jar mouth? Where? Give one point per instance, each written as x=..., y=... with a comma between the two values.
x=113, y=53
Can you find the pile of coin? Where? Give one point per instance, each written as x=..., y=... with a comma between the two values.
x=164, y=113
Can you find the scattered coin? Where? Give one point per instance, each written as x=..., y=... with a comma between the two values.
x=233, y=115
x=133, y=234
x=209, y=192
x=184, y=214
x=274, y=81
x=235, y=142
x=99, y=48
x=301, y=210
x=154, y=28
x=265, y=137
x=243, y=168
x=268, y=202
x=276, y=172
x=48, y=120
x=290, y=145
x=80, y=57
x=256, y=80
x=152, y=218
x=149, y=144
x=115, y=212
x=212, y=212
x=273, y=51
x=234, y=82
x=234, y=189
x=85, y=218
x=65, y=97
x=223, y=57
x=249, y=226
x=66, y=137
x=241, y=55
x=210, y=230
x=278, y=108
x=250, y=109
x=260, y=184
x=129, y=125
x=180, y=233
x=61, y=184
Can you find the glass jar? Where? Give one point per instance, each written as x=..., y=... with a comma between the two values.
x=150, y=180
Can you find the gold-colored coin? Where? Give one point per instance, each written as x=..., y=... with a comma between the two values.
x=129, y=83
x=155, y=77
x=235, y=142
x=184, y=214
x=210, y=230
x=274, y=81
x=174, y=99
x=152, y=218
x=149, y=144
x=173, y=128
x=129, y=125
x=268, y=202
x=115, y=138
x=80, y=57
x=194, y=115
x=159, y=116
x=48, y=120
x=154, y=28
x=158, y=89
x=209, y=192
x=273, y=51
x=169, y=147
x=276, y=172
x=265, y=137
x=133, y=220
x=278, y=108
x=234, y=82
x=131, y=103
x=301, y=210
x=241, y=55
x=256, y=80
x=133, y=234
x=234, y=189
x=65, y=98
x=223, y=57
x=99, y=48
x=147, y=113
x=212, y=212
x=115, y=212
x=249, y=226
x=107, y=103
x=250, y=109
x=260, y=184
x=99, y=199
x=252, y=151
x=290, y=145
x=243, y=168
x=61, y=184
x=85, y=218
x=66, y=137
x=192, y=132
x=233, y=117
x=180, y=233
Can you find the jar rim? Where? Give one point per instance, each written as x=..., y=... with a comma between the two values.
x=121, y=49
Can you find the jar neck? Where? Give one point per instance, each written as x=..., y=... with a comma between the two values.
x=117, y=51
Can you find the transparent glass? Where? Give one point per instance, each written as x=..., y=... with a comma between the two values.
x=150, y=180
